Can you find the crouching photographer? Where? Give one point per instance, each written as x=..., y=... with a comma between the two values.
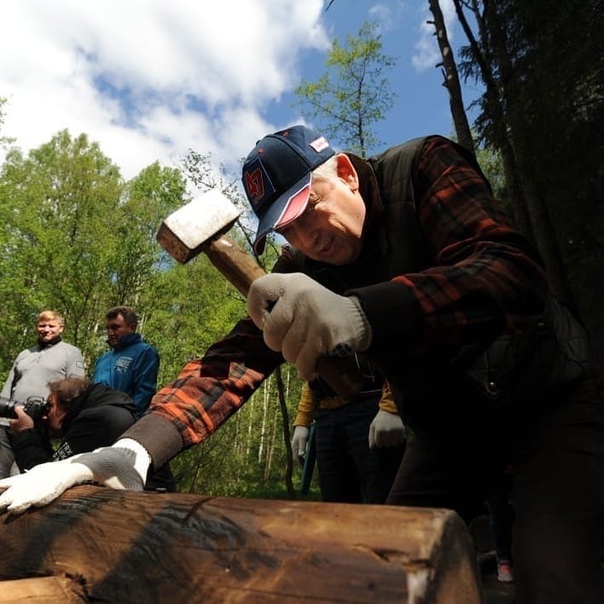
x=79, y=416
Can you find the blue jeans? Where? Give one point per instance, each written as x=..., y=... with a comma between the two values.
x=349, y=471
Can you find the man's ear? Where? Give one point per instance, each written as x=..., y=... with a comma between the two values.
x=347, y=172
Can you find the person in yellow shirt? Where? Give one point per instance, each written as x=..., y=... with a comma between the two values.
x=359, y=442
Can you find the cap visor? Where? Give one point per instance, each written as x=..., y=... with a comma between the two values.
x=285, y=210
x=295, y=207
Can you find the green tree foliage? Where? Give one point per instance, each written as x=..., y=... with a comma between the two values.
x=492, y=165
x=155, y=192
x=190, y=307
x=354, y=93
x=542, y=66
x=57, y=209
x=76, y=238
x=4, y=140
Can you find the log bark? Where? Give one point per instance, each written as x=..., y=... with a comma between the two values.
x=96, y=544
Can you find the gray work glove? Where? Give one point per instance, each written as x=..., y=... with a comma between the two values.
x=124, y=465
x=386, y=430
x=304, y=320
x=300, y=441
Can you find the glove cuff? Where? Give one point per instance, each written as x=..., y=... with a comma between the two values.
x=141, y=455
x=303, y=418
x=363, y=327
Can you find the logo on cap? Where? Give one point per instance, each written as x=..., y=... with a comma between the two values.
x=257, y=183
x=319, y=144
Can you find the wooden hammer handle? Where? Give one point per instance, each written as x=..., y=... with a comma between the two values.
x=233, y=262
x=241, y=269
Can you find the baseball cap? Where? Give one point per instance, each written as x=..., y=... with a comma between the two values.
x=277, y=176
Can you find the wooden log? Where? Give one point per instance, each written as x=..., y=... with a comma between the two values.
x=44, y=590
x=131, y=547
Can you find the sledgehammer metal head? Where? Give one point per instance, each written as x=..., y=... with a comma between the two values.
x=184, y=232
x=201, y=226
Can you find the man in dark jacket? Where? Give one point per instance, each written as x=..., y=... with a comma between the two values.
x=408, y=258
x=81, y=415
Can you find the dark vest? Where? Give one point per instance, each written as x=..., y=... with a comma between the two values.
x=551, y=352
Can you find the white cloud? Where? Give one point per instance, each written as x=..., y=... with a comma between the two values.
x=150, y=79
x=387, y=14
x=427, y=54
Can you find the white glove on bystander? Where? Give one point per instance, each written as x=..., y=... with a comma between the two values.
x=299, y=441
x=124, y=465
x=304, y=320
x=386, y=430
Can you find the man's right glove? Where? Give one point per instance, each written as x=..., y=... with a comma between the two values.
x=386, y=430
x=299, y=441
x=124, y=465
x=304, y=320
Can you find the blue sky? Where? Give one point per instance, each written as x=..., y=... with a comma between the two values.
x=422, y=103
x=150, y=79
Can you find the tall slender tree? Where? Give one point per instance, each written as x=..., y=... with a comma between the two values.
x=451, y=79
x=354, y=93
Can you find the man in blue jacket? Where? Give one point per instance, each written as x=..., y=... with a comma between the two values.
x=132, y=364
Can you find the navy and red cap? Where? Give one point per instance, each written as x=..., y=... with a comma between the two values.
x=277, y=176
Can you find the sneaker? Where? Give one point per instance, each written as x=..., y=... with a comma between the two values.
x=505, y=574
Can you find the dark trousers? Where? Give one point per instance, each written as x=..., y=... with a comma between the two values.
x=7, y=457
x=558, y=495
x=501, y=518
x=349, y=471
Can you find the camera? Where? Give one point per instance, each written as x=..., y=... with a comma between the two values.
x=35, y=406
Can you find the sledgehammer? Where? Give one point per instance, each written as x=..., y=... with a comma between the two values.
x=201, y=226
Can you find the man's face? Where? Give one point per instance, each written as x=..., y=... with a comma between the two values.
x=330, y=228
x=116, y=329
x=54, y=416
x=48, y=329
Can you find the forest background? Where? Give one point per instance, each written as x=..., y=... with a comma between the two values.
x=76, y=237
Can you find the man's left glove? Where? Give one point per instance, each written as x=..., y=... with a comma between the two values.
x=300, y=441
x=304, y=320
x=386, y=430
x=124, y=465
